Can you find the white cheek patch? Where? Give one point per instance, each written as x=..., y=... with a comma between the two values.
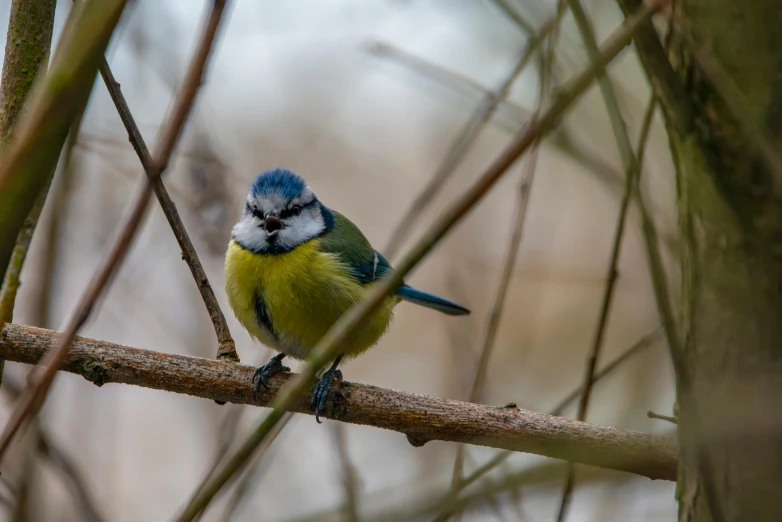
x=297, y=230
x=249, y=233
x=301, y=228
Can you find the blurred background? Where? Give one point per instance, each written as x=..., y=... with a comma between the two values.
x=365, y=100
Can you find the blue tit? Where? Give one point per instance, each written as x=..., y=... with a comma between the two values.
x=294, y=266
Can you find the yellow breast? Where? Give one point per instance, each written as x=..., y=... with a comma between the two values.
x=304, y=292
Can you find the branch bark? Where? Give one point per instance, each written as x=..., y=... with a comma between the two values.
x=27, y=46
x=226, y=348
x=54, y=103
x=26, y=50
x=41, y=379
x=421, y=418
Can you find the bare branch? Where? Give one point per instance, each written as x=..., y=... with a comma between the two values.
x=27, y=47
x=331, y=344
x=666, y=83
x=35, y=392
x=350, y=478
x=509, y=265
x=466, y=138
x=632, y=166
x=561, y=139
x=63, y=463
x=420, y=417
x=54, y=103
x=658, y=416
x=644, y=342
x=510, y=12
x=254, y=473
x=226, y=348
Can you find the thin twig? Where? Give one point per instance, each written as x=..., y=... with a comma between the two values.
x=448, y=78
x=421, y=418
x=62, y=462
x=230, y=424
x=41, y=379
x=601, y=170
x=350, y=478
x=657, y=270
x=330, y=345
x=644, y=342
x=632, y=178
x=498, y=304
x=226, y=348
x=632, y=169
x=254, y=473
x=659, y=416
x=526, y=27
x=543, y=475
x=464, y=141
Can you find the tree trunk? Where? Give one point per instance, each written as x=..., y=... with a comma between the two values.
x=730, y=379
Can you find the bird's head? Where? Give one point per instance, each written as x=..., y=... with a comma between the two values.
x=281, y=212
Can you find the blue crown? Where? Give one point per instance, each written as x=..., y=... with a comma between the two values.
x=278, y=181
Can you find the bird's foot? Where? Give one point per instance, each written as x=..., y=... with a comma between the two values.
x=321, y=391
x=263, y=373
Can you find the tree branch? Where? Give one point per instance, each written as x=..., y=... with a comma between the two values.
x=27, y=46
x=420, y=417
x=41, y=379
x=462, y=144
x=54, y=102
x=226, y=348
x=330, y=345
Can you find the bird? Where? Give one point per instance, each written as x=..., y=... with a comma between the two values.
x=294, y=266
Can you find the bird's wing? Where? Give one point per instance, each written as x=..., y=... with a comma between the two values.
x=367, y=265
x=351, y=246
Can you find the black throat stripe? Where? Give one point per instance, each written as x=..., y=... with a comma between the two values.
x=263, y=315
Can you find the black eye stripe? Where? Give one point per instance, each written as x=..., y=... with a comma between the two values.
x=252, y=209
x=288, y=212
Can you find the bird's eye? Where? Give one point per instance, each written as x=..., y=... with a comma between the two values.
x=255, y=211
x=295, y=210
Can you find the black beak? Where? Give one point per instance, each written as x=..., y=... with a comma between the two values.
x=272, y=224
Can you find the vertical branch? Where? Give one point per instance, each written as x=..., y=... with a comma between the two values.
x=54, y=103
x=632, y=179
x=41, y=379
x=226, y=348
x=63, y=463
x=517, y=19
x=350, y=478
x=27, y=46
x=632, y=168
x=254, y=472
x=230, y=425
x=523, y=195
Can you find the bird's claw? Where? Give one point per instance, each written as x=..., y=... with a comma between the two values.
x=321, y=391
x=263, y=373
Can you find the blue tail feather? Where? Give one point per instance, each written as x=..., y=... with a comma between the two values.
x=430, y=301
